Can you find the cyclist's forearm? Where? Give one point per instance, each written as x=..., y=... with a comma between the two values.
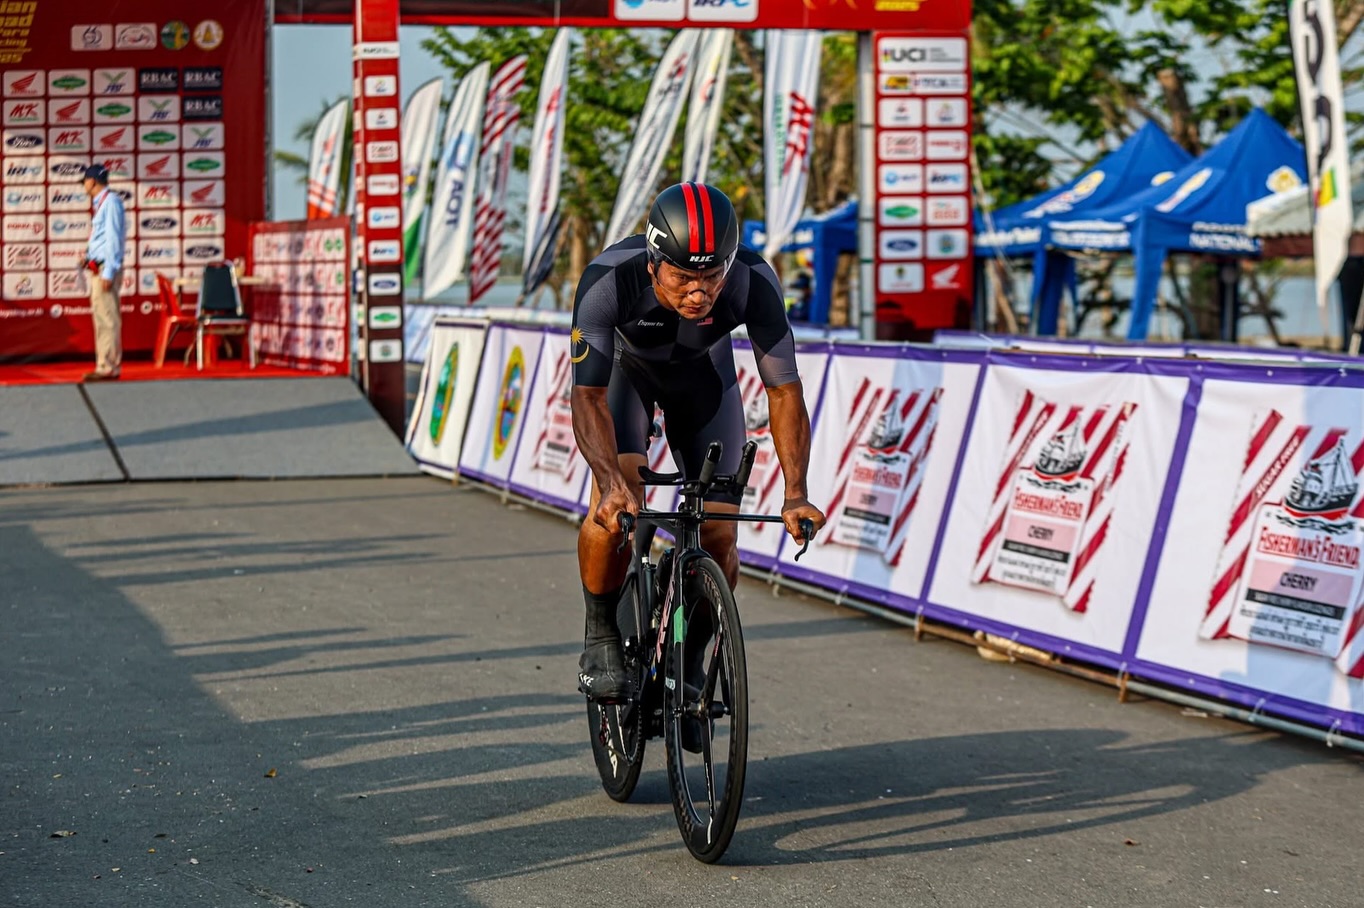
x=596, y=435
x=791, y=435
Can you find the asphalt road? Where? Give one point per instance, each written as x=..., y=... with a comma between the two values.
x=361, y=693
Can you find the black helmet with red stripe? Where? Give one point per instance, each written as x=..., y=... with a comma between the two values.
x=692, y=226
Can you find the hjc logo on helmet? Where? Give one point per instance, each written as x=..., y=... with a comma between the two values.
x=654, y=235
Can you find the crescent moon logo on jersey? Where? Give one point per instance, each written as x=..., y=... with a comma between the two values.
x=575, y=337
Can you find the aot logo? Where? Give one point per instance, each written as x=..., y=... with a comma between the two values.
x=23, y=83
x=384, y=217
x=70, y=139
x=68, y=226
x=24, y=170
x=657, y=10
x=723, y=10
x=23, y=141
x=24, y=200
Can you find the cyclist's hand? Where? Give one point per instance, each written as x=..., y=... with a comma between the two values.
x=615, y=499
x=794, y=510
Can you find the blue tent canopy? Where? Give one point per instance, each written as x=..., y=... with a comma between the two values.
x=828, y=236
x=1202, y=208
x=1147, y=158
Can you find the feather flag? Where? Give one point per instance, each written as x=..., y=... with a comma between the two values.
x=500, y=116
x=657, y=123
x=789, y=117
x=546, y=163
x=447, y=234
x=324, y=161
x=707, y=98
x=419, y=139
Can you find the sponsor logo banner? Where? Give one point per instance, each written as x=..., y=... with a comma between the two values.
x=158, y=195
x=158, y=79
x=900, y=211
x=23, y=140
x=65, y=169
x=75, y=112
x=165, y=138
x=203, y=250
x=947, y=112
x=382, y=184
x=71, y=140
x=205, y=193
x=651, y=10
x=900, y=113
x=202, y=164
x=384, y=251
x=952, y=211
x=23, y=199
x=900, y=146
x=385, y=217
x=24, y=112
x=21, y=228
x=25, y=256
x=67, y=285
x=946, y=178
x=23, y=171
x=203, y=78
x=92, y=37
x=114, y=138
x=381, y=152
x=158, y=166
x=205, y=107
x=899, y=177
x=202, y=137
x=381, y=118
x=158, y=224
x=120, y=167
x=22, y=83
x=954, y=145
x=67, y=198
x=135, y=36
x=68, y=82
x=381, y=86
x=901, y=244
x=114, y=110
x=900, y=277
x=947, y=244
x=947, y=276
x=385, y=284
x=204, y=222
x=23, y=287
x=722, y=10
x=113, y=82
x=65, y=256
x=151, y=253
x=165, y=109
x=921, y=55
x=73, y=226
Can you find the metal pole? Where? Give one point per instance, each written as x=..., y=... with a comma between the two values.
x=866, y=202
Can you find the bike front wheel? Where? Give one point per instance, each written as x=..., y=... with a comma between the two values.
x=706, y=711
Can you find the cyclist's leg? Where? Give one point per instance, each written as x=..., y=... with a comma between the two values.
x=601, y=564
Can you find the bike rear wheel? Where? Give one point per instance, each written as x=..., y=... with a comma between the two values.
x=616, y=730
x=706, y=783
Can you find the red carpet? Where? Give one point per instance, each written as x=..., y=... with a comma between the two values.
x=66, y=373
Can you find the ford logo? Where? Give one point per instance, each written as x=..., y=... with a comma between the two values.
x=158, y=223
x=385, y=283
x=204, y=252
x=67, y=169
x=24, y=141
x=902, y=245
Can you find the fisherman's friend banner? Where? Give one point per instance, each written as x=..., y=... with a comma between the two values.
x=1056, y=499
x=1260, y=581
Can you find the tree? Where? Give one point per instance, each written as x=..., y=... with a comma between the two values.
x=1058, y=83
x=297, y=164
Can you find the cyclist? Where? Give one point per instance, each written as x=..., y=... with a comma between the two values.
x=651, y=325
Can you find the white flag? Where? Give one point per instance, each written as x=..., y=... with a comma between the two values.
x=657, y=123
x=547, y=147
x=447, y=236
x=707, y=98
x=1316, y=57
x=324, y=161
x=789, y=124
x=419, y=140
x=500, y=117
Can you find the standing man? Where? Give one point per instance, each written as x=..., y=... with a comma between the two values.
x=104, y=267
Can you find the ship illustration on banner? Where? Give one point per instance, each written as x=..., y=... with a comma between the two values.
x=1052, y=505
x=556, y=450
x=881, y=468
x=764, y=482
x=1289, y=572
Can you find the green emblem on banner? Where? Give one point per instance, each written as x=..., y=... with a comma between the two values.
x=445, y=392
x=159, y=137
x=203, y=165
x=901, y=211
x=383, y=317
x=174, y=35
x=67, y=83
x=114, y=110
x=509, y=402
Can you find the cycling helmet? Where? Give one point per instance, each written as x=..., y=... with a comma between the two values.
x=692, y=226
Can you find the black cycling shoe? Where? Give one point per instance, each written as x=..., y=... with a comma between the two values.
x=601, y=672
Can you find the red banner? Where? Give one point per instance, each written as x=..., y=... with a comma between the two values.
x=173, y=103
x=300, y=316
x=923, y=264
x=863, y=15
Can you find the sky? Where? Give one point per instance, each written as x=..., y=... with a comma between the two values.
x=311, y=64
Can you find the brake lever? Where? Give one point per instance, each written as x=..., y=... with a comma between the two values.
x=627, y=526
x=807, y=532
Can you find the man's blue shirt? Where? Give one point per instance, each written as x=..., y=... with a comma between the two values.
x=106, y=233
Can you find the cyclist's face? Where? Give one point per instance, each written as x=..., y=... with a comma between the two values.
x=691, y=294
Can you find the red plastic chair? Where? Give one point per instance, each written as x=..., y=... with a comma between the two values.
x=172, y=318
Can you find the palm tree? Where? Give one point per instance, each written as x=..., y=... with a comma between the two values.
x=298, y=164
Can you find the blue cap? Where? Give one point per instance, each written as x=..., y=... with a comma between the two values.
x=97, y=172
